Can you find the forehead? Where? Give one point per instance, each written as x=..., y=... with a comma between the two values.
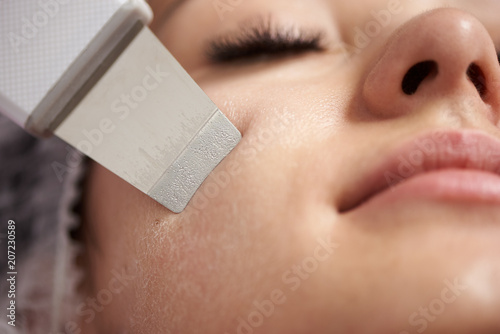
x=347, y=12
x=163, y=8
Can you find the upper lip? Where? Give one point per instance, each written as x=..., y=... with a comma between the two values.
x=439, y=149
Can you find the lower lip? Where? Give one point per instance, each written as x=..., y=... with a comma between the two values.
x=450, y=185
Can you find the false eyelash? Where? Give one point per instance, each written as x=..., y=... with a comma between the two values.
x=263, y=39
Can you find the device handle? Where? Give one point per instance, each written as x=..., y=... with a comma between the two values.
x=52, y=47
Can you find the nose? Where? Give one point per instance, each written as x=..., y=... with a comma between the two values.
x=444, y=53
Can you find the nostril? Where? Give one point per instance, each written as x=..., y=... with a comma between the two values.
x=417, y=74
x=476, y=75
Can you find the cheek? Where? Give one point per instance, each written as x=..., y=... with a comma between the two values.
x=231, y=251
x=256, y=216
x=288, y=110
x=254, y=213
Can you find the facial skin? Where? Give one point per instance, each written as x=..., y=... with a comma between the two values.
x=275, y=220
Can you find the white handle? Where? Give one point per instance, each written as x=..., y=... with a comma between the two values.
x=47, y=45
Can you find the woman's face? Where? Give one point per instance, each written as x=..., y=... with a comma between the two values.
x=364, y=196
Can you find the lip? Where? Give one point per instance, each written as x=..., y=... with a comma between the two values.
x=441, y=165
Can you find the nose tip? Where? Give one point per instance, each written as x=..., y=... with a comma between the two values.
x=441, y=53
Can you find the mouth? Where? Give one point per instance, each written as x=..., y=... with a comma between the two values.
x=442, y=166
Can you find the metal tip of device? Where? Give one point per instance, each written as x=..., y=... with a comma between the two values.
x=183, y=177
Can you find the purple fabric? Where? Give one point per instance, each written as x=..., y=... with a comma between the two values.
x=40, y=189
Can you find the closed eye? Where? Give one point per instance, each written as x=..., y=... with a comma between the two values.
x=263, y=38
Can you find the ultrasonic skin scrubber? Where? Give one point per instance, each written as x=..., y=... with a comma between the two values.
x=92, y=73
